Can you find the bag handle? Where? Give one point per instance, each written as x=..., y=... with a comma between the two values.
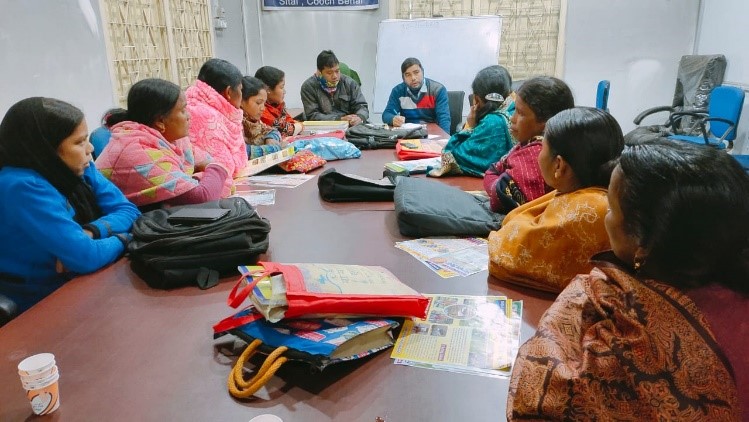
x=239, y=387
x=236, y=296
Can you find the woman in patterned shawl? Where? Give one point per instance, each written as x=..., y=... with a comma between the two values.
x=659, y=330
x=545, y=242
x=150, y=157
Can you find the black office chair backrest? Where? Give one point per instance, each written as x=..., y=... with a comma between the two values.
x=455, y=100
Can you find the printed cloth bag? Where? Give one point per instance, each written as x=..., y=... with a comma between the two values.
x=316, y=342
x=281, y=291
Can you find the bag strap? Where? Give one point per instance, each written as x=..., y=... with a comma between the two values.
x=239, y=387
x=236, y=296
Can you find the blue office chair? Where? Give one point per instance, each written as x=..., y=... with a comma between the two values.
x=717, y=127
x=602, y=95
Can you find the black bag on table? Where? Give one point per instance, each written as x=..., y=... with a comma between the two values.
x=366, y=136
x=431, y=208
x=339, y=187
x=168, y=255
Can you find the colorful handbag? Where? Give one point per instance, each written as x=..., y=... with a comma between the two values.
x=317, y=342
x=281, y=291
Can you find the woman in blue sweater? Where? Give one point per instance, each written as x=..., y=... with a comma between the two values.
x=59, y=217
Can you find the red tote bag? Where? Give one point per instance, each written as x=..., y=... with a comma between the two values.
x=416, y=149
x=320, y=290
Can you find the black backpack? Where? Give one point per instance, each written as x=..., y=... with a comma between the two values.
x=366, y=136
x=168, y=255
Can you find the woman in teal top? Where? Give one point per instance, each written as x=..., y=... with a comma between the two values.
x=485, y=138
x=59, y=217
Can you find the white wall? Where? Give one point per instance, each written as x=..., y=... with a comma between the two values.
x=55, y=49
x=723, y=30
x=291, y=41
x=230, y=43
x=635, y=44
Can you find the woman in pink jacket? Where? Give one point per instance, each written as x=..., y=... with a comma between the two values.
x=213, y=103
x=150, y=157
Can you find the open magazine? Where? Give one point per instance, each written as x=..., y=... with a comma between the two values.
x=468, y=334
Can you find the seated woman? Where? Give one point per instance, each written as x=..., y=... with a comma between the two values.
x=213, y=103
x=516, y=178
x=150, y=157
x=260, y=138
x=275, y=113
x=485, y=138
x=60, y=217
x=545, y=242
x=659, y=329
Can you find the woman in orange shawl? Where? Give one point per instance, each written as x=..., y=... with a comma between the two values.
x=545, y=242
x=659, y=330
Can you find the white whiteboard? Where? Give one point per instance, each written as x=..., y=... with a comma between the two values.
x=452, y=51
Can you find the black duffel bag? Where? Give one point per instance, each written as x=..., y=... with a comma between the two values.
x=366, y=136
x=168, y=255
x=339, y=187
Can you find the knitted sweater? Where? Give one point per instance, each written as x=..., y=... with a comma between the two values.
x=430, y=105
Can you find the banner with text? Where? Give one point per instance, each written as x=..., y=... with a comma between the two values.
x=320, y=4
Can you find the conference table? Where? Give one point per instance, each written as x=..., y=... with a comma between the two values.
x=129, y=352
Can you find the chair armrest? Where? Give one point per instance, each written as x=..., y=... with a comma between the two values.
x=650, y=111
x=674, y=118
x=8, y=309
x=731, y=127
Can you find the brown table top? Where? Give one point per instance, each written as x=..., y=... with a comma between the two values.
x=128, y=352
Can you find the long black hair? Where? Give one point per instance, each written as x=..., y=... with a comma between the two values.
x=30, y=134
x=689, y=207
x=147, y=101
x=492, y=79
x=590, y=140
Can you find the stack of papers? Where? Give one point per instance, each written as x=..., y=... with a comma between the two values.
x=477, y=335
x=450, y=256
x=312, y=127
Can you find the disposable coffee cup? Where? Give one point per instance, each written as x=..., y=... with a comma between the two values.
x=267, y=417
x=40, y=378
x=45, y=399
x=36, y=364
x=31, y=381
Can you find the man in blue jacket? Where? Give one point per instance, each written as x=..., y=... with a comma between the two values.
x=417, y=99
